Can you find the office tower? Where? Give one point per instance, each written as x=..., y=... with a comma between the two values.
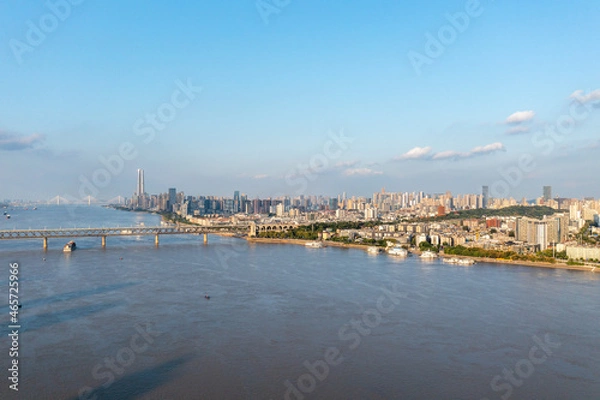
x=256, y=206
x=172, y=198
x=485, y=192
x=140, y=182
x=236, y=201
x=333, y=204
x=547, y=193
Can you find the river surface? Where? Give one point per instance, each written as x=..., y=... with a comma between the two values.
x=285, y=322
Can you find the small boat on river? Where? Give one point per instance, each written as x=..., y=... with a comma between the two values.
x=69, y=247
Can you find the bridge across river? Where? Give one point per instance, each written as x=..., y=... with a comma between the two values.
x=103, y=233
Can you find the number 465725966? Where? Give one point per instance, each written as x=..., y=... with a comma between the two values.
x=13, y=292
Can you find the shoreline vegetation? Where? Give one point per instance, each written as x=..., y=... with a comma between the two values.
x=536, y=212
x=303, y=236
x=517, y=263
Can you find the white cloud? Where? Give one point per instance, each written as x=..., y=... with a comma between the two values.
x=361, y=172
x=425, y=152
x=256, y=176
x=585, y=98
x=346, y=164
x=19, y=142
x=416, y=153
x=520, y=117
x=476, y=151
x=517, y=130
x=442, y=155
x=488, y=148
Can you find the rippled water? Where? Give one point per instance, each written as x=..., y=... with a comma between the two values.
x=131, y=321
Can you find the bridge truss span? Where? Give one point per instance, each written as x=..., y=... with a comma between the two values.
x=104, y=232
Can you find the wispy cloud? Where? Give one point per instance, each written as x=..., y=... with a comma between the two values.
x=12, y=142
x=361, y=172
x=416, y=153
x=517, y=130
x=476, y=151
x=488, y=148
x=346, y=164
x=580, y=96
x=442, y=155
x=255, y=177
x=520, y=117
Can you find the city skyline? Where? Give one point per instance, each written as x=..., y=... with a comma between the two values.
x=453, y=96
x=544, y=193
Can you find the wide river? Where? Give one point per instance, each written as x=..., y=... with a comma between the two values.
x=284, y=322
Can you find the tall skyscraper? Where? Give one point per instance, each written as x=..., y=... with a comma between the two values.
x=140, y=182
x=172, y=198
x=485, y=192
x=547, y=193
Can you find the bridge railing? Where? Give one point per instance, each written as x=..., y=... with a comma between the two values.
x=118, y=231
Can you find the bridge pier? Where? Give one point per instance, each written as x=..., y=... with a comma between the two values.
x=104, y=232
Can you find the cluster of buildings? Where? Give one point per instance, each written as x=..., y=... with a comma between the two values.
x=388, y=209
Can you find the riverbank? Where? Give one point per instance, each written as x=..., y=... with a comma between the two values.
x=538, y=264
x=557, y=265
x=302, y=242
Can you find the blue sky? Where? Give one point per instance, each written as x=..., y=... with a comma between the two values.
x=279, y=79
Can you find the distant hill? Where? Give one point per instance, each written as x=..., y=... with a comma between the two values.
x=512, y=211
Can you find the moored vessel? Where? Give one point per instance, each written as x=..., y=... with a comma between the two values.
x=373, y=250
x=398, y=251
x=316, y=245
x=428, y=254
x=69, y=247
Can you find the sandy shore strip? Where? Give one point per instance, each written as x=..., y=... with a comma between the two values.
x=557, y=265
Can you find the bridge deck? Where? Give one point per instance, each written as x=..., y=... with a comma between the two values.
x=120, y=231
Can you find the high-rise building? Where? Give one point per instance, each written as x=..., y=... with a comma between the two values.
x=256, y=206
x=172, y=198
x=485, y=192
x=140, y=182
x=543, y=233
x=333, y=204
x=236, y=202
x=547, y=193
